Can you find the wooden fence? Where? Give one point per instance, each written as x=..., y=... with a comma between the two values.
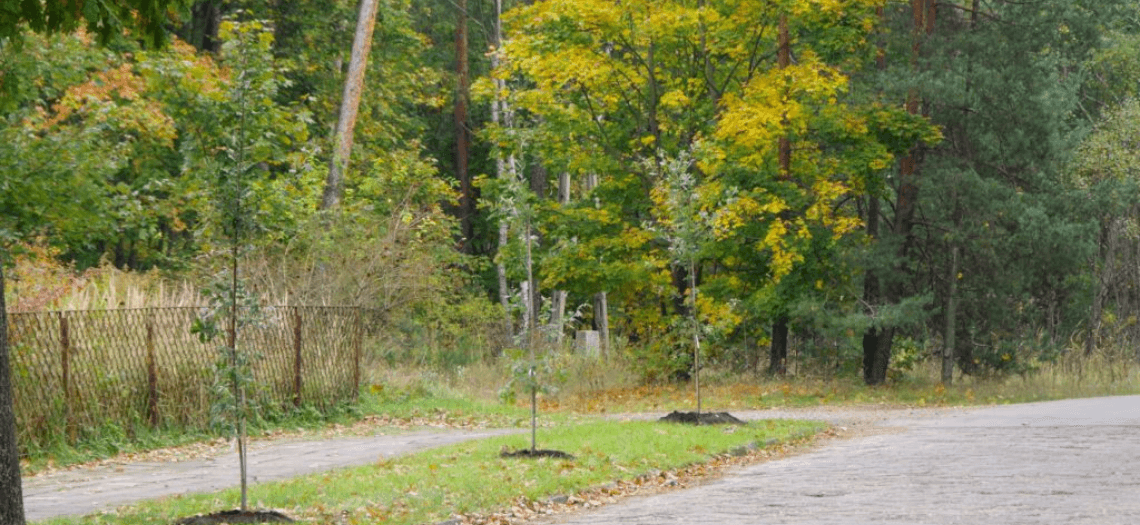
x=78, y=370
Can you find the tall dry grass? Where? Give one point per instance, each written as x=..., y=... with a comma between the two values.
x=38, y=281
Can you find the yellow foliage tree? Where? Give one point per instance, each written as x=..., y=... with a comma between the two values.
x=607, y=85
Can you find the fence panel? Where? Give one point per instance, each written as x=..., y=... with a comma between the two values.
x=78, y=370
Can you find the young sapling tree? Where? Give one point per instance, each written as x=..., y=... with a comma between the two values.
x=685, y=225
x=248, y=127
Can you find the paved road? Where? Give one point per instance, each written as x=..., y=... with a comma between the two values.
x=1070, y=462
x=84, y=491
x=1075, y=461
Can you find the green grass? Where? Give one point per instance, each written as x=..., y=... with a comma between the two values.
x=436, y=485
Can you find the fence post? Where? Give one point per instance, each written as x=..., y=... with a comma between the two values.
x=357, y=344
x=151, y=373
x=296, y=356
x=65, y=361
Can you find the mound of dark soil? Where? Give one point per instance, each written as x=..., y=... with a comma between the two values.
x=537, y=453
x=235, y=517
x=705, y=418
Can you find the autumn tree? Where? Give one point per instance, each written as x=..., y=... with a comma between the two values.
x=646, y=79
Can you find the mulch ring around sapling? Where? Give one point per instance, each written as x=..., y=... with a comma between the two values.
x=704, y=418
x=534, y=453
x=236, y=516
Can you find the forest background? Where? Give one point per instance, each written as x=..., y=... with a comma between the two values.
x=877, y=182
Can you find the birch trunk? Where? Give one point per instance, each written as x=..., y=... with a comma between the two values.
x=349, y=104
x=558, y=297
x=601, y=302
x=498, y=107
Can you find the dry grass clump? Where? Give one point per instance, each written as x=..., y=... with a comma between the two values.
x=38, y=281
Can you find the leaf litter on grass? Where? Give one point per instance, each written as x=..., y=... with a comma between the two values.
x=523, y=510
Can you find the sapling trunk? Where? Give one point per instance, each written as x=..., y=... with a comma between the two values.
x=533, y=408
x=239, y=389
x=530, y=329
x=696, y=336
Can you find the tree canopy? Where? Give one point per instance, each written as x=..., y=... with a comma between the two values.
x=849, y=161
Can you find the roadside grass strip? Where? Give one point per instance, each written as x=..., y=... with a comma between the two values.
x=471, y=483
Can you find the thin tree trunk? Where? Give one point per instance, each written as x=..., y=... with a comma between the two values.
x=1102, y=271
x=502, y=166
x=462, y=135
x=778, y=351
x=537, y=183
x=783, y=60
x=529, y=292
x=11, y=490
x=558, y=297
x=949, y=338
x=696, y=336
x=601, y=299
x=349, y=104
x=951, y=325
x=504, y=286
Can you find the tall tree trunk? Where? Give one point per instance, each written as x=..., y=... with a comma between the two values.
x=349, y=104
x=201, y=31
x=1102, y=276
x=537, y=182
x=504, y=286
x=951, y=330
x=877, y=341
x=462, y=133
x=783, y=60
x=602, y=319
x=778, y=350
x=504, y=166
x=601, y=299
x=951, y=325
x=11, y=491
x=558, y=297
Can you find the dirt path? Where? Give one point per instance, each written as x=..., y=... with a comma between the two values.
x=1073, y=462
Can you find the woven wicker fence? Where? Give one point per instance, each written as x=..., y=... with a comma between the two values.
x=76, y=370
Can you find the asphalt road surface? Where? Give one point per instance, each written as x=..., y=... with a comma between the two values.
x=1064, y=462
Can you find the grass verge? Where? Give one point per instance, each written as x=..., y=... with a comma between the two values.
x=398, y=408
x=471, y=479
